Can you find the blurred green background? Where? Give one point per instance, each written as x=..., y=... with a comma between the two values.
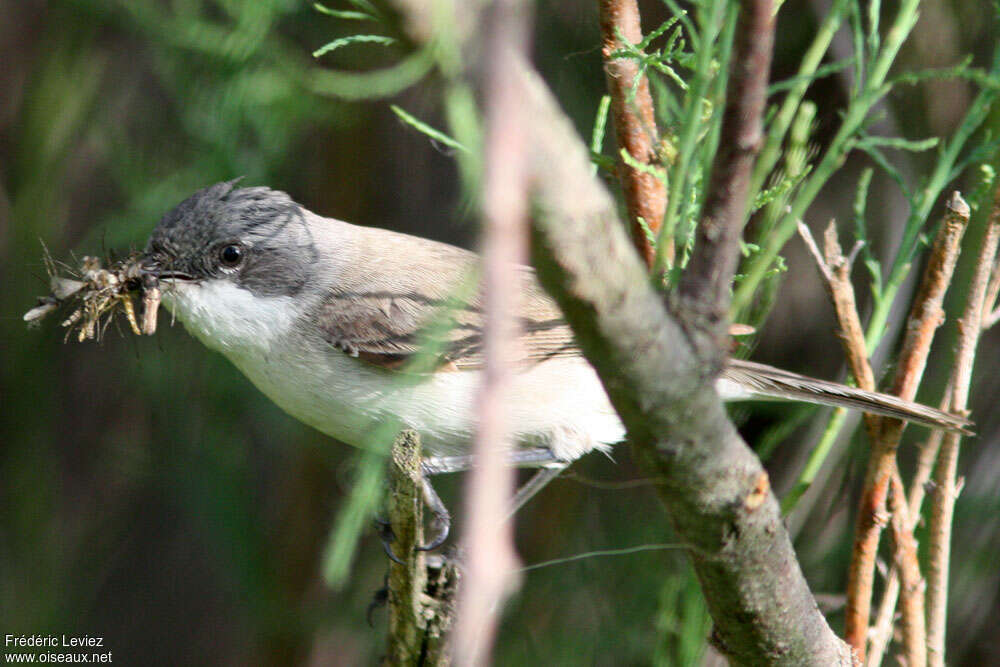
x=151, y=496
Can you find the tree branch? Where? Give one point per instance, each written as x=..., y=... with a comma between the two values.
x=707, y=280
x=490, y=558
x=883, y=474
x=925, y=317
x=717, y=494
x=944, y=494
x=421, y=597
x=635, y=126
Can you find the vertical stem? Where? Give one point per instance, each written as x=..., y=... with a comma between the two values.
x=943, y=497
x=491, y=560
x=707, y=281
x=635, y=127
x=421, y=599
x=925, y=317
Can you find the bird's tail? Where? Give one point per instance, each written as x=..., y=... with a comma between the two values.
x=759, y=380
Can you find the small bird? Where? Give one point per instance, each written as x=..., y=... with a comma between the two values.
x=326, y=318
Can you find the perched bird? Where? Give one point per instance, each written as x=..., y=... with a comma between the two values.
x=325, y=317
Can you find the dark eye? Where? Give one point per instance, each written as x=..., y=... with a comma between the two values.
x=231, y=255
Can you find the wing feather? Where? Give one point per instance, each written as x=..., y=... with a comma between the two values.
x=383, y=316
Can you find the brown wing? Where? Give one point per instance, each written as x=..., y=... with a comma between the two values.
x=383, y=319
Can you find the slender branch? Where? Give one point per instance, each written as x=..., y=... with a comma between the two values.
x=491, y=561
x=635, y=126
x=991, y=308
x=925, y=317
x=990, y=320
x=716, y=492
x=421, y=597
x=707, y=281
x=907, y=564
x=943, y=497
x=881, y=631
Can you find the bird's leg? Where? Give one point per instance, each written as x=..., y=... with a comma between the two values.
x=550, y=467
x=441, y=523
x=537, y=482
x=521, y=458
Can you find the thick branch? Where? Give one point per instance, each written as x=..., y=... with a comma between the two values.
x=635, y=126
x=707, y=280
x=714, y=487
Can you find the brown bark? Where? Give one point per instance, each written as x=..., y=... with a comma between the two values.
x=421, y=598
x=707, y=280
x=635, y=126
x=970, y=327
x=925, y=317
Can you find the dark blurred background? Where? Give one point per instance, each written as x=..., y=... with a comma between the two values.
x=151, y=496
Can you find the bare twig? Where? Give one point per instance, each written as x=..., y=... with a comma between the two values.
x=881, y=631
x=944, y=494
x=421, y=599
x=991, y=308
x=635, y=126
x=907, y=564
x=925, y=317
x=707, y=281
x=991, y=319
x=491, y=561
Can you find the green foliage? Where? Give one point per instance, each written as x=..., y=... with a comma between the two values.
x=422, y=127
x=682, y=622
x=352, y=39
x=688, y=71
x=597, y=135
x=367, y=12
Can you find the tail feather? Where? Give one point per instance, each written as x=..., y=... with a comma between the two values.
x=769, y=382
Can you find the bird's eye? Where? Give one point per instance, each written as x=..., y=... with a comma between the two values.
x=231, y=255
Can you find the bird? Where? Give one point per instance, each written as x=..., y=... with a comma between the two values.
x=329, y=319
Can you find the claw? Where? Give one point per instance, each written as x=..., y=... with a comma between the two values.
x=442, y=518
x=387, y=537
x=442, y=526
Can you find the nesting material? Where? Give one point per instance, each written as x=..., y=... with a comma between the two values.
x=97, y=295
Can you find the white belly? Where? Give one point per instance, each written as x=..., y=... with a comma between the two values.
x=559, y=404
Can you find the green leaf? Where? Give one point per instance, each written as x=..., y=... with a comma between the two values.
x=600, y=126
x=653, y=170
x=899, y=143
x=342, y=14
x=353, y=39
x=426, y=129
x=882, y=161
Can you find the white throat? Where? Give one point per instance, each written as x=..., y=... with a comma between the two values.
x=229, y=318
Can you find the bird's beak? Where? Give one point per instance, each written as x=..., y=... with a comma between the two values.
x=161, y=266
